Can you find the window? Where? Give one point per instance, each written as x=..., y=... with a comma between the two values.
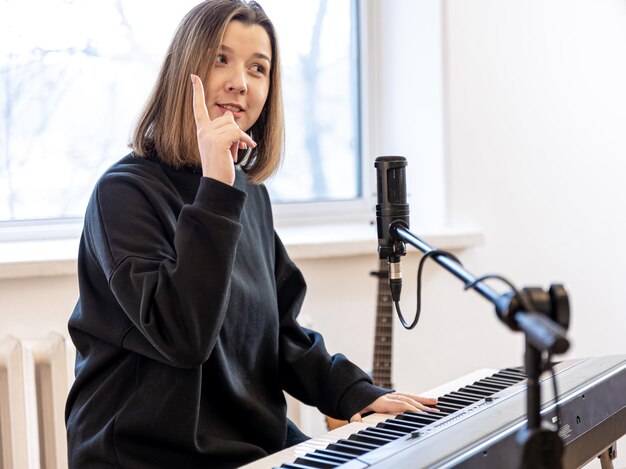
x=72, y=87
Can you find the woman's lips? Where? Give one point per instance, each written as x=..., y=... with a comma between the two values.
x=237, y=111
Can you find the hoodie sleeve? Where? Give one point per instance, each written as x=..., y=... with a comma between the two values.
x=334, y=384
x=168, y=268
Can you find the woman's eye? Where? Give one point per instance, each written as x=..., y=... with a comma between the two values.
x=259, y=69
x=221, y=59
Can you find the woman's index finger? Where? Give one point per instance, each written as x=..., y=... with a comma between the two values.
x=200, y=112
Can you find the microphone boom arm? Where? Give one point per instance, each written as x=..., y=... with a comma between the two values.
x=543, y=332
x=544, y=318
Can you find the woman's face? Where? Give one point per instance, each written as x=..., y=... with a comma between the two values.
x=240, y=78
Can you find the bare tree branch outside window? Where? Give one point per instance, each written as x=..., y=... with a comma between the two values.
x=71, y=89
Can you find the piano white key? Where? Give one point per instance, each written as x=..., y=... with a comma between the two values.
x=322, y=441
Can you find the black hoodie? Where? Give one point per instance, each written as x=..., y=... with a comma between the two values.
x=186, y=330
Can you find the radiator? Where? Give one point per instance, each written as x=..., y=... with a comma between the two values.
x=35, y=376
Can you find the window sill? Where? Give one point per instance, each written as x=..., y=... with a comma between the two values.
x=57, y=257
x=344, y=240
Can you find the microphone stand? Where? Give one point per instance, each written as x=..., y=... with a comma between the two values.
x=544, y=318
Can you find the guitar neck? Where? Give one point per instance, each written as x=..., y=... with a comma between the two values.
x=381, y=371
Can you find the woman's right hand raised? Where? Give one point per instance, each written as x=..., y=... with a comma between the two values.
x=218, y=139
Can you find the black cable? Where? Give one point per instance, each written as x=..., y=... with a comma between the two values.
x=524, y=298
x=473, y=283
x=401, y=317
x=425, y=257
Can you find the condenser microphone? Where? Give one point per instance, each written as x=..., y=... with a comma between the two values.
x=391, y=210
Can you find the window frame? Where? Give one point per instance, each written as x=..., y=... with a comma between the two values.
x=361, y=209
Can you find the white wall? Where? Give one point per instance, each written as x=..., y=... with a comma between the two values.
x=535, y=95
x=535, y=137
x=30, y=307
x=536, y=106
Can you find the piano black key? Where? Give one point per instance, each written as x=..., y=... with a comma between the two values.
x=408, y=419
x=477, y=387
x=332, y=455
x=418, y=417
x=447, y=399
x=514, y=371
x=294, y=466
x=463, y=395
x=449, y=409
x=512, y=374
x=347, y=448
x=506, y=379
x=396, y=426
x=310, y=461
x=407, y=422
x=486, y=380
x=325, y=458
x=476, y=391
x=378, y=433
x=445, y=412
x=386, y=431
x=495, y=383
x=469, y=395
x=437, y=414
x=450, y=406
x=473, y=392
x=373, y=440
x=360, y=444
x=492, y=383
x=423, y=413
x=486, y=387
x=499, y=379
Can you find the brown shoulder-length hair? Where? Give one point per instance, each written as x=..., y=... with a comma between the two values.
x=167, y=126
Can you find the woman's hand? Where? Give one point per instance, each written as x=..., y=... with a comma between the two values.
x=395, y=403
x=218, y=139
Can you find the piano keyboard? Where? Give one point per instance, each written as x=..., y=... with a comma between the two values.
x=478, y=423
x=345, y=444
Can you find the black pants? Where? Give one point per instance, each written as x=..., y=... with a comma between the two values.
x=294, y=435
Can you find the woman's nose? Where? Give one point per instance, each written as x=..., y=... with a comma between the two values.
x=237, y=82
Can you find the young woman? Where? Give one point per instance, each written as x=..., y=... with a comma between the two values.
x=186, y=330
